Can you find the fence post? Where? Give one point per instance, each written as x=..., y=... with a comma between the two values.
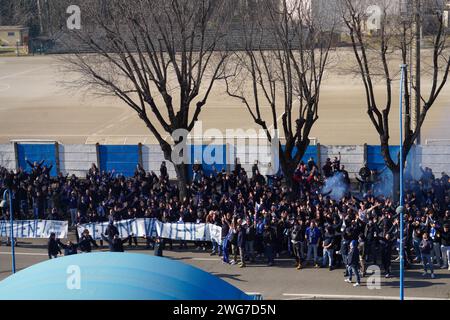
x=16, y=155
x=140, y=158
x=365, y=155
x=319, y=155
x=58, y=163
x=97, y=151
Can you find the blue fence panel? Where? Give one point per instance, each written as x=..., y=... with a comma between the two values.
x=37, y=152
x=311, y=152
x=208, y=157
x=375, y=160
x=121, y=159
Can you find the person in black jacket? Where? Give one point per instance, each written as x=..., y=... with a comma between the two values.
x=116, y=244
x=426, y=246
x=268, y=242
x=353, y=263
x=53, y=247
x=250, y=236
x=328, y=248
x=86, y=242
x=70, y=248
x=241, y=240
x=371, y=236
x=297, y=235
x=386, y=253
x=111, y=230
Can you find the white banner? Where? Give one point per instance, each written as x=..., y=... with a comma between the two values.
x=137, y=227
x=34, y=229
x=152, y=228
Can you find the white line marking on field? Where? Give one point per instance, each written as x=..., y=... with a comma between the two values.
x=22, y=73
x=336, y=296
x=25, y=254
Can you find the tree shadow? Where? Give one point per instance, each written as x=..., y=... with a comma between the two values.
x=229, y=276
x=412, y=284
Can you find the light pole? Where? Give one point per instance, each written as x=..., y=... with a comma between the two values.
x=418, y=43
x=400, y=208
x=11, y=219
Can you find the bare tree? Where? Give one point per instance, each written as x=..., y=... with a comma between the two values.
x=159, y=57
x=17, y=12
x=286, y=53
x=375, y=56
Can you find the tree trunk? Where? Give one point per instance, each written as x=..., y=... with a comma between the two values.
x=288, y=166
x=396, y=185
x=182, y=179
x=181, y=170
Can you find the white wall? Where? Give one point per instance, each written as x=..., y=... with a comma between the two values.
x=435, y=157
x=77, y=159
x=7, y=156
x=152, y=156
x=352, y=157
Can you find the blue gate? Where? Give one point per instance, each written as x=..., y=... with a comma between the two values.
x=122, y=159
x=37, y=152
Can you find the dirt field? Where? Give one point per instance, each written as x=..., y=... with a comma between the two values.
x=34, y=105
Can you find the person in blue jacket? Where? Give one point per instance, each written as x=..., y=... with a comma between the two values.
x=312, y=237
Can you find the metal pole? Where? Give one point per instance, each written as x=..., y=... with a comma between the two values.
x=418, y=40
x=11, y=221
x=402, y=264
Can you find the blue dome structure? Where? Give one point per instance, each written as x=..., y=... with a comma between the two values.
x=116, y=276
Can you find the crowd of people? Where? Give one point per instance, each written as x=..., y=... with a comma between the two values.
x=260, y=216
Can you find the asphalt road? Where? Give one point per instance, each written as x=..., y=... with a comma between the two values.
x=281, y=281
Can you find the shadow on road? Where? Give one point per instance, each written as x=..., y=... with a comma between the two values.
x=228, y=276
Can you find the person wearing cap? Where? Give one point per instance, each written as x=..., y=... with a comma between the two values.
x=53, y=247
x=353, y=263
x=445, y=246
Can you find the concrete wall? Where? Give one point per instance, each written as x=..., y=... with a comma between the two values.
x=435, y=157
x=7, y=156
x=77, y=159
x=352, y=157
x=152, y=156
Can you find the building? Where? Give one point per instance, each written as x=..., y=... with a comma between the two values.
x=11, y=36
